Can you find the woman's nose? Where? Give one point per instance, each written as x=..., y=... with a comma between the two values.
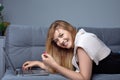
x=60, y=40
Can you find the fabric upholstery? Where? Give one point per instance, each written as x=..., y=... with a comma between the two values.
x=110, y=36
x=2, y=58
x=10, y=76
x=25, y=43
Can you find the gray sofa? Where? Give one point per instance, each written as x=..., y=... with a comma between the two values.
x=24, y=43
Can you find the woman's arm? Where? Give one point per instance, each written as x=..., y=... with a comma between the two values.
x=85, y=65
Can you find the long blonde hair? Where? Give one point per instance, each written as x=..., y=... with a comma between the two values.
x=62, y=56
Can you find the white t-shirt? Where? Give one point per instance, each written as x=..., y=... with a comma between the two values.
x=93, y=46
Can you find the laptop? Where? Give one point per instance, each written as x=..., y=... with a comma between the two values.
x=35, y=71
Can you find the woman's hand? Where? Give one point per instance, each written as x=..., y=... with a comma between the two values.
x=28, y=64
x=48, y=60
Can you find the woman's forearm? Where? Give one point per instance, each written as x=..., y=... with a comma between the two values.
x=41, y=65
x=69, y=73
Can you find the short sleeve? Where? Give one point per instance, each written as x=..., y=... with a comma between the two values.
x=93, y=46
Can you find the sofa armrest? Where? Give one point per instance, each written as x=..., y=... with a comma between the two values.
x=2, y=58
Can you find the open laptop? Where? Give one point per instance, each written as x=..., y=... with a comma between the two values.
x=31, y=72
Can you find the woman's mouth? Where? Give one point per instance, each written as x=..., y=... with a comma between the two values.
x=65, y=43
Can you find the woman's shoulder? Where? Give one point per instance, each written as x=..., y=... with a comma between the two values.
x=81, y=31
x=82, y=34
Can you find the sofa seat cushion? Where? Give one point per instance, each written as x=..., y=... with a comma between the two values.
x=10, y=76
x=106, y=77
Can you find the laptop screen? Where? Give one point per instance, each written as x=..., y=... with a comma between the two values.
x=9, y=60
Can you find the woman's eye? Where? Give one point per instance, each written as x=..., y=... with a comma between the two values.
x=61, y=35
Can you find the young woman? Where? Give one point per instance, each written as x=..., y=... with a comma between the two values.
x=74, y=54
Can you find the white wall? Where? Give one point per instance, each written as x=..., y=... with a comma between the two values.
x=91, y=13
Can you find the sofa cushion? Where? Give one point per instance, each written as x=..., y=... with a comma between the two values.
x=106, y=77
x=110, y=36
x=25, y=43
x=10, y=76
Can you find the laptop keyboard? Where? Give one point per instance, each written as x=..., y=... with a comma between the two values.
x=27, y=72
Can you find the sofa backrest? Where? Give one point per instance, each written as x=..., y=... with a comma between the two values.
x=110, y=36
x=25, y=43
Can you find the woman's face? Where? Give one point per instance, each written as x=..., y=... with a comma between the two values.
x=63, y=38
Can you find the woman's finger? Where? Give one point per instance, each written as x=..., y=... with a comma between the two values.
x=26, y=63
